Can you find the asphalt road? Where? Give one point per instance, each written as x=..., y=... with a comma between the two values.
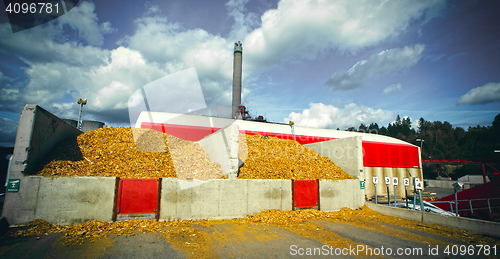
x=327, y=238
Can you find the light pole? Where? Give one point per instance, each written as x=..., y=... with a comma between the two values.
x=421, y=156
x=457, y=186
x=81, y=103
x=291, y=123
x=421, y=142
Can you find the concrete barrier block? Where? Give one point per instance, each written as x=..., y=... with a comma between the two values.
x=222, y=199
x=222, y=147
x=214, y=199
x=264, y=194
x=335, y=195
x=205, y=200
x=19, y=207
x=274, y=194
x=286, y=194
x=169, y=199
x=259, y=195
x=74, y=200
x=233, y=198
x=176, y=199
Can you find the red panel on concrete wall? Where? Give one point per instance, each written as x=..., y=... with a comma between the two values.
x=137, y=196
x=305, y=193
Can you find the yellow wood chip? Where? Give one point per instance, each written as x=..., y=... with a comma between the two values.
x=273, y=158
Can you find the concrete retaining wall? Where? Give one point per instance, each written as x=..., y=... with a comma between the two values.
x=347, y=153
x=222, y=147
x=61, y=201
x=73, y=200
x=474, y=225
x=37, y=133
x=223, y=199
x=20, y=207
x=335, y=195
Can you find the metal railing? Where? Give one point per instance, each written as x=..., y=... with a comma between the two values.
x=470, y=201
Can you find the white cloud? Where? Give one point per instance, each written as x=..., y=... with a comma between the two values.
x=210, y=54
x=106, y=78
x=50, y=82
x=392, y=89
x=306, y=29
x=123, y=57
x=64, y=66
x=4, y=77
x=60, y=67
x=487, y=93
x=115, y=90
x=9, y=92
x=244, y=22
x=320, y=115
x=376, y=65
x=66, y=110
x=85, y=22
x=414, y=123
x=177, y=49
x=8, y=128
x=49, y=43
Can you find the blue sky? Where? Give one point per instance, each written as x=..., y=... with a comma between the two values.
x=327, y=64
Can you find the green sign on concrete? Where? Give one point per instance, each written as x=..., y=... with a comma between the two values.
x=362, y=184
x=13, y=185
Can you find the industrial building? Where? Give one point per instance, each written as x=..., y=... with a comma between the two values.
x=381, y=156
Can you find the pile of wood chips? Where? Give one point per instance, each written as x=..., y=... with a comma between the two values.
x=273, y=158
x=146, y=153
x=94, y=230
x=129, y=153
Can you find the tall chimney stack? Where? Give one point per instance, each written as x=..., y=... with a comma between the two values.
x=237, y=79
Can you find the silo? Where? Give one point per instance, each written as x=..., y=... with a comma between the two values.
x=91, y=125
x=71, y=122
x=237, y=70
x=401, y=174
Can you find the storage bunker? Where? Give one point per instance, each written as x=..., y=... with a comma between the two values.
x=72, y=200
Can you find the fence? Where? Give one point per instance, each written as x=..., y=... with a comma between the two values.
x=480, y=205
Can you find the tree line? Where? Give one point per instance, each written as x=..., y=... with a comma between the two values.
x=441, y=140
